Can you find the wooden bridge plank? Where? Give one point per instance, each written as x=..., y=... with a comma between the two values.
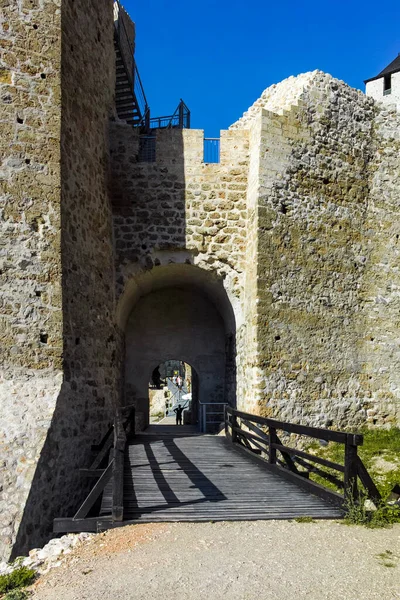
x=197, y=478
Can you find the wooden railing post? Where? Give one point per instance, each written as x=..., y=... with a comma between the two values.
x=272, y=449
x=350, y=469
x=118, y=485
x=234, y=423
x=118, y=453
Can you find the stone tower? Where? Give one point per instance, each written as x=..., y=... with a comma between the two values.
x=273, y=273
x=58, y=381
x=385, y=87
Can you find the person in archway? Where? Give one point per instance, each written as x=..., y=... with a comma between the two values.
x=178, y=411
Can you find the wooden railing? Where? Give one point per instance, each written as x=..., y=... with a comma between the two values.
x=259, y=436
x=107, y=466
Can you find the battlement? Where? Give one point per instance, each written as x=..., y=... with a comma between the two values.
x=177, y=146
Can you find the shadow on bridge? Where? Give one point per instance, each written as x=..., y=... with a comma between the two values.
x=160, y=475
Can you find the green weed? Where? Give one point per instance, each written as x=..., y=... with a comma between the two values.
x=304, y=520
x=358, y=514
x=378, y=443
x=17, y=595
x=387, y=559
x=19, y=578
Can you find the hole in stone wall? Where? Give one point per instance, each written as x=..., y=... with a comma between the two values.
x=71, y=48
x=43, y=75
x=38, y=293
x=35, y=26
x=277, y=338
x=371, y=339
x=77, y=341
x=326, y=181
x=283, y=208
x=43, y=338
x=19, y=120
x=28, y=161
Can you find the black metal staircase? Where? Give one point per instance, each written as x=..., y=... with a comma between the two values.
x=126, y=103
x=130, y=99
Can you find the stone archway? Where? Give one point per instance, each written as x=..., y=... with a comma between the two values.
x=178, y=311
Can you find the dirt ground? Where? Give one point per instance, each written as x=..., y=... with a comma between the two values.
x=278, y=560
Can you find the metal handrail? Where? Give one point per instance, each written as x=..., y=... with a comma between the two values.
x=134, y=78
x=203, y=414
x=179, y=119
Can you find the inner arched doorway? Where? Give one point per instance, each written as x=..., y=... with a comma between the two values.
x=179, y=317
x=173, y=385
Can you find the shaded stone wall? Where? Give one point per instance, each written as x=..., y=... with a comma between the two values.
x=178, y=210
x=175, y=323
x=60, y=352
x=178, y=203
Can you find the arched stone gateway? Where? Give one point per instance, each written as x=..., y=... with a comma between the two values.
x=178, y=311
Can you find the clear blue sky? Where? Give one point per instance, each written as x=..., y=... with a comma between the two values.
x=219, y=56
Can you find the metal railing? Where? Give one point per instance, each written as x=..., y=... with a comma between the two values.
x=211, y=415
x=179, y=120
x=147, y=148
x=133, y=76
x=211, y=150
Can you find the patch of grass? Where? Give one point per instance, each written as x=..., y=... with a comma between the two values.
x=358, y=514
x=387, y=559
x=17, y=595
x=158, y=415
x=19, y=578
x=304, y=520
x=378, y=443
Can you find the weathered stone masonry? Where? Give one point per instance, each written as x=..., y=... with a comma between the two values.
x=58, y=379
x=178, y=211
x=327, y=257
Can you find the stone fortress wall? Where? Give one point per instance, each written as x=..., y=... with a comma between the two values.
x=327, y=269
x=177, y=212
x=30, y=255
x=58, y=384
x=178, y=208
x=293, y=237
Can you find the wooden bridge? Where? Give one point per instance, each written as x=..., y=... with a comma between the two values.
x=172, y=473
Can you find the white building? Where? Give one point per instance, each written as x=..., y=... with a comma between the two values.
x=385, y=87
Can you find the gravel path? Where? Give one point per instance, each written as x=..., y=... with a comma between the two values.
x=278, y=560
